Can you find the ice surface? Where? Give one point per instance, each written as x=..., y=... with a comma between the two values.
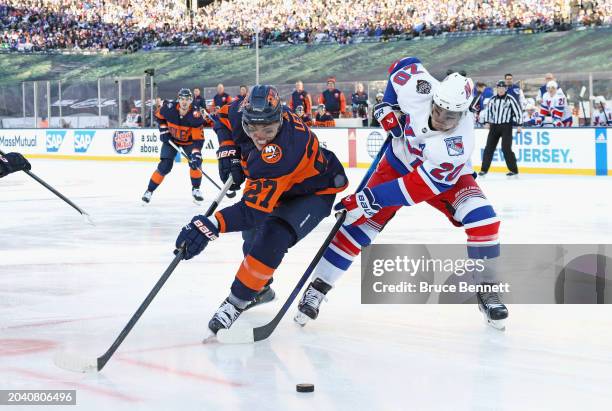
x=65, y=285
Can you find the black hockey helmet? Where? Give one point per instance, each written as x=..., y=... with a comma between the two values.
x=263, y=106
x=185, y=93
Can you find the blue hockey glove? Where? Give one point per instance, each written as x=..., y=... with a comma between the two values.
x=229, y=164
x=196, y=235
x=164, y=134
x=195, y=160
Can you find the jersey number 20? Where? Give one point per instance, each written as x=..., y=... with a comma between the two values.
x=447, y=171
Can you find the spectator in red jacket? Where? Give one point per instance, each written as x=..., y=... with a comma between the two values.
x=333, y=99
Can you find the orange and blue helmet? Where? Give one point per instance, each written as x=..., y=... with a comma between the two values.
x=263, y=106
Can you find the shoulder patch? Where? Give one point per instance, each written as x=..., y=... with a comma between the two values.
x=423, y=87
x=271, y=153
x=454, y=145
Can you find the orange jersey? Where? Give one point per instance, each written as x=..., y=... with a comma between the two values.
x=292, y=165
x=183, y=129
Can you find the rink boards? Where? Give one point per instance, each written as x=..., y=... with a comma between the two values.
x=538, y=150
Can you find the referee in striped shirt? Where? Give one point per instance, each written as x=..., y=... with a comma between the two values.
x=501, y=113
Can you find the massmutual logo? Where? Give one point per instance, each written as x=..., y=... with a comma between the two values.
x=82, y=140
x=54, y=140
x=16, y=140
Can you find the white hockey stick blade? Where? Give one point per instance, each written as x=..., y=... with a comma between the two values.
x=75, y=362
x=235, y=335
x=87, y=218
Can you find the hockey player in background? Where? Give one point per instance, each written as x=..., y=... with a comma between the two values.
x=531, y=116
x=554, y=108
x=291, y=185
x=13, y=162
x=306, y=119
x=182, y=124
x=602, y=115
x=428, y=160
x=323, y=118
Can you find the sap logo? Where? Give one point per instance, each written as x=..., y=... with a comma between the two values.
x=54, y=140
x=82, y=140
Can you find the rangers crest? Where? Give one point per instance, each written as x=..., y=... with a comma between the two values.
x=454, y=146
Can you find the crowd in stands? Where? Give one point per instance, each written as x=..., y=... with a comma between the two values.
x=42, y=25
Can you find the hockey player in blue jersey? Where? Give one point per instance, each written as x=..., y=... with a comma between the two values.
x=181, y=123
x=290, y=187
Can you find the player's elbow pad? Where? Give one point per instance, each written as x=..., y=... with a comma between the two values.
x=387, y=118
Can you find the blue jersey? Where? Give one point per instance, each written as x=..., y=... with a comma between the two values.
x=184, y=129
x=292, y=165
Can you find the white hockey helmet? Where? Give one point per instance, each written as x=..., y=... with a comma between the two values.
x=454, y=93
x=552, y=84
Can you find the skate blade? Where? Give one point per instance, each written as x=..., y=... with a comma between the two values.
x=198, y=203
x=301, y=319
x=210, y=339
x=497, y=324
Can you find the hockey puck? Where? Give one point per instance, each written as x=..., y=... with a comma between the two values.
x=304, y=387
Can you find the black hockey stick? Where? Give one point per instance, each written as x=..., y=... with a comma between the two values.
x=57, y=193
x=80, y=364
x=249, y=335
x=231, y=194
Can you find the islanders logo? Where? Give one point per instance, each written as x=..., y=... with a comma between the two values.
x=271, y=153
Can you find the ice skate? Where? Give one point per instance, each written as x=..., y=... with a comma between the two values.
x=512, y=175
x=146, y=197
x=494, y=310
x=225, y=316
x=308, y=308
x=266, y=295
x=197, y=195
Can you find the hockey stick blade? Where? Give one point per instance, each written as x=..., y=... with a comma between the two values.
x=79, y=363
x=249, y=335
x=74, y=362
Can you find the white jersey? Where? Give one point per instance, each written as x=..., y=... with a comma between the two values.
x=442, y=156
x=555, y=107
x=601, y=118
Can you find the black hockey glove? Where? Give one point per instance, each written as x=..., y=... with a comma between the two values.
x=11, y=162
x=229, y=164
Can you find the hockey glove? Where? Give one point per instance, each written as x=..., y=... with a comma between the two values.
x=196, y=236
x=387, y=118
x=11, y=162
x=195, y=160
x=229, y=164
x=164, y=134
x=359, y=207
